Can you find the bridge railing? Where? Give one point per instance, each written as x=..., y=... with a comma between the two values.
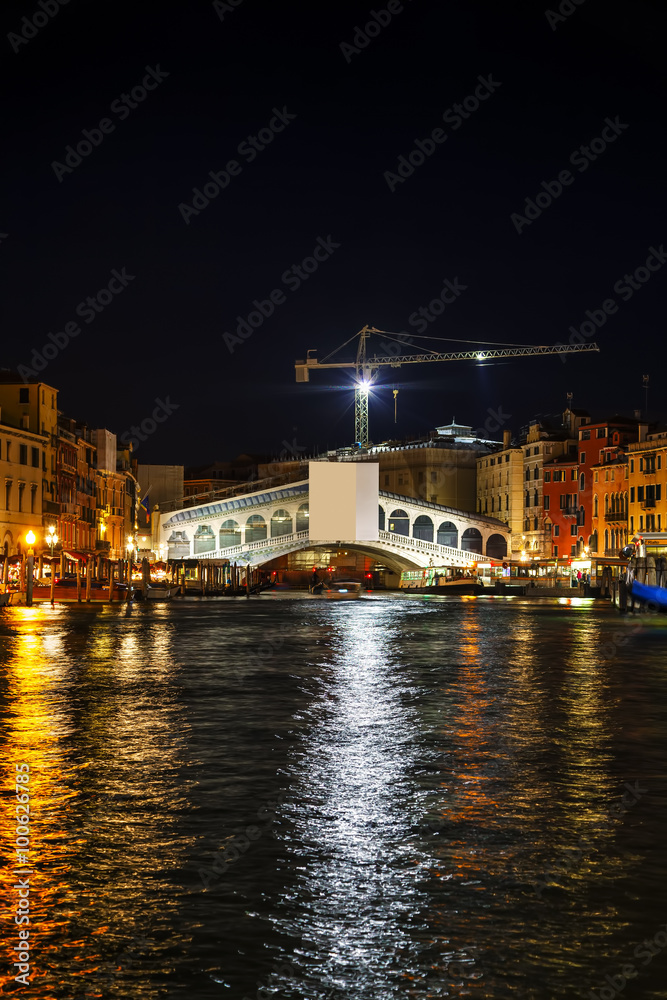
x=442, y=551
x=264, y=543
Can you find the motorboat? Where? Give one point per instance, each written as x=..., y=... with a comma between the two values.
x=341, y=590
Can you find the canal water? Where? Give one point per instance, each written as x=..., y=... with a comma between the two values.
x=396, y=797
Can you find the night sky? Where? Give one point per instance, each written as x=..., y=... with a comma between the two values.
x=338, y=120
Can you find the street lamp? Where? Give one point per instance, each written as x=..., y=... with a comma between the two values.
x=130, y=548
x=30, y=539
x=52, y=539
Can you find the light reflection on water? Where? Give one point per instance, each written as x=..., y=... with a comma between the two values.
x=431, y=760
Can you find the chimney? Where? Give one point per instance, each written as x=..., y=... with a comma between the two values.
x=507, y=439
x=638, y=414
x=643, y=431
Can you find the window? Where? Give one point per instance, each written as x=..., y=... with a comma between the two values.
x=556, y=530
x=33, y=494
x=527, y=474
x=527, y=499
x=658, y=490
x=492, y=461
x=602, y=432
x=640, y=494
x=582, y=457
x=632, y=494
x=547, y=503
x=536, y=524
x=35, y=458
x=8, y=495
x=23, y=454
x=556, y=551
x=582, y=481
x=659, y=463
x=595, y=505
x=585, y=435
x=632, y=525
x=434, y=478
x=573, y=550
x=386, y=480
x=573, y=529
x=632, y=465
x=434, y=498
x=507, y=458
x=535, y=498
x=596, y=476
x=536, y=451
x=421, y=477
x=527, y=452
x=573, y=474
x=507, y=501
x=24, y=395
x=641, y=522
x=21, y=489
x=558, y=475
x=547, y=477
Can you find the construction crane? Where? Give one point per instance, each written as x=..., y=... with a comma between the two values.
x=366, y=367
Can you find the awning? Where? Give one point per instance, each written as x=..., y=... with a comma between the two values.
x=77, y=555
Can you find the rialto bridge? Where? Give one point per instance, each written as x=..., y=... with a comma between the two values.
x=258, y=527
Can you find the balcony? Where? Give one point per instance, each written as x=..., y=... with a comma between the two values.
x=72, y=509
x=569, y=511
x=616, y=516
x=102, y=545
x=50, y=507
x=647, y=504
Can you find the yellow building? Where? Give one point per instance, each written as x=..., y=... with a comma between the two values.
x=500, y=480
x=28, y=441
x=647, y=490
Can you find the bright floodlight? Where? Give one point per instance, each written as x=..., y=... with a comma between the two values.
x=481, y=356
x=364, y=386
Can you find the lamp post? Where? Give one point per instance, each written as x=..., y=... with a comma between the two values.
x=30, y=539
x=130, y=547
x=52, y=540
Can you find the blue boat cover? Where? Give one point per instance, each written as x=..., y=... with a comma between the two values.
x=645, y=593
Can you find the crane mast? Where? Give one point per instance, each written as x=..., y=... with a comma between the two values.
x=366, y=367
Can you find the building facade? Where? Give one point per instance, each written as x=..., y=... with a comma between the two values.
x=500, y=478
x=647, y=485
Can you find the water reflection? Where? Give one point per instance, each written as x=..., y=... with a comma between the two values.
x=353, y=811
x=98, y=724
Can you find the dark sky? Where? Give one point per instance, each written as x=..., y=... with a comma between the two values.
x=323, y=176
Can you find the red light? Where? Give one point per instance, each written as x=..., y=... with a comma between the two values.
x=369, y=576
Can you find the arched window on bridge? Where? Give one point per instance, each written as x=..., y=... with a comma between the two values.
x=448, y=534
x=281, y=523
x=423, y=528
x=471, y=540
x=381, y=518
x=496, y=547
x=255, y=529
x=230, y=534
x=204, y=539
x=399, y=522
x=302, y=517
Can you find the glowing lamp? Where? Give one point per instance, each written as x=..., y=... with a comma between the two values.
x=31, y=538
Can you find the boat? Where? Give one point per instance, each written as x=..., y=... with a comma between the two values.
x=448, y=588
x=443, y=580
x=160, y=592
x=656, y=595
x=341, y=590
